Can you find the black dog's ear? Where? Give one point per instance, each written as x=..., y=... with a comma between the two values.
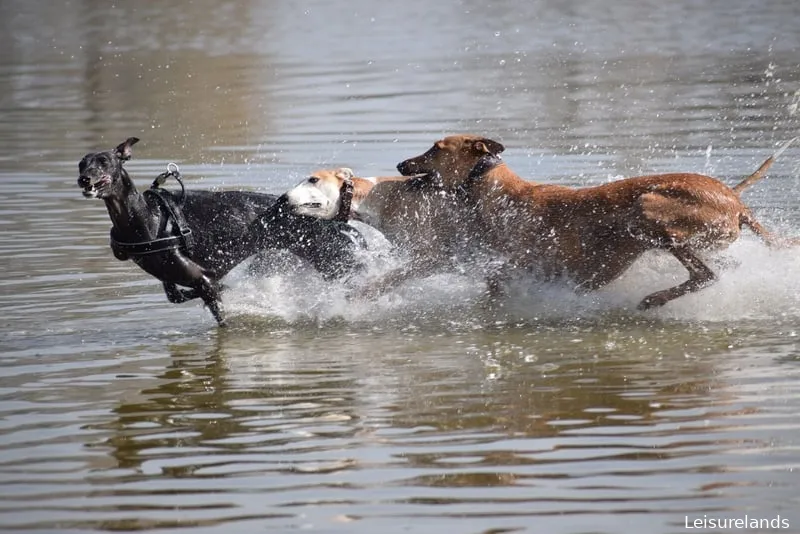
x=488, y=146
x=124, y=151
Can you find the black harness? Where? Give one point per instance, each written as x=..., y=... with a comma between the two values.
x=173, y=231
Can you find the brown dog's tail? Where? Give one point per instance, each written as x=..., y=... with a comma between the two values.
x=761, y=171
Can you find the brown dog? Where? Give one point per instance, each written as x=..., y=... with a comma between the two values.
x=593, y=234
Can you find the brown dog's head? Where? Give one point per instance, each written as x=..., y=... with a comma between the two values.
x=452, y=158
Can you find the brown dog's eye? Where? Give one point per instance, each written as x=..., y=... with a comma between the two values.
x=313, y=180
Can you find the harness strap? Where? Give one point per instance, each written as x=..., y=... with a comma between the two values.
x=124, y=251
x=171, y=213
x=174, y=215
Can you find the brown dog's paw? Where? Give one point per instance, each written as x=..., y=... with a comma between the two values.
x=366, y=293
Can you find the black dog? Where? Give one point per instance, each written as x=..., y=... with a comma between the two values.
x=194, y=238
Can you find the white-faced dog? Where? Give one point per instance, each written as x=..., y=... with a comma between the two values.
x=413, y=213
x=319, y=195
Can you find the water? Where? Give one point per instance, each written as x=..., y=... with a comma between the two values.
x=421, y=411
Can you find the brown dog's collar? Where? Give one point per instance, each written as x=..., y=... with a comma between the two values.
x=485, y=164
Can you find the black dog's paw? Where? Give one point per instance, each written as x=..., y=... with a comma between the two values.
x=655, y=300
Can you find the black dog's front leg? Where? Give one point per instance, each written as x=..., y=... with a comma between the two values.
x=176, y=295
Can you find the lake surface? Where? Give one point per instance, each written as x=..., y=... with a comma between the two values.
x=420, y=411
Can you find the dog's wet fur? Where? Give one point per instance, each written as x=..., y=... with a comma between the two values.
x=227, y=228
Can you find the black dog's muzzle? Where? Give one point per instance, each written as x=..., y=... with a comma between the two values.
x=93, y=178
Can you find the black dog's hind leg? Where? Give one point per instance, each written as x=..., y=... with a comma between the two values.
x=209, y=292
x=202, y=286
x=177, y=295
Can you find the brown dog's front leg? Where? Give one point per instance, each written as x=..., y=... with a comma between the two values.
x=496, y=280
x=385, y=283
x=395, y=277
x=700, y=276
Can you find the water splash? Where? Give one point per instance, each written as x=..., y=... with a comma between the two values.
x=792, y=107
x=708, y=168
x=755, y=283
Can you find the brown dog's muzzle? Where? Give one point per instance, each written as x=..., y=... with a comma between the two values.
x=409, y=167
x=419, y=165
x=422, y=164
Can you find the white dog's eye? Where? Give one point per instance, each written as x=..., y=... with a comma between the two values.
x=313, y=180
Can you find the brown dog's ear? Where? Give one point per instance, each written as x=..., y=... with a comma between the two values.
x=487, y=146
x=124, y=151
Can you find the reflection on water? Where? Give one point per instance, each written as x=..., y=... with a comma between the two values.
x=421, y=411
x=513, y=428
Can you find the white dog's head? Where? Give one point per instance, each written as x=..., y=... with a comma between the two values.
x=319, y=194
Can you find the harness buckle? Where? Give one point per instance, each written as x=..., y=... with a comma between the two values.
x=174, y=171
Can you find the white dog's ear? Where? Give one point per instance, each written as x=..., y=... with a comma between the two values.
x=344, y=173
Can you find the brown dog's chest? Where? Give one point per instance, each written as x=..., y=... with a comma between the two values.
x=424, y=223
x=556, y=232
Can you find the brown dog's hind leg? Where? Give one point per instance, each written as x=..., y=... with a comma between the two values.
x=700, y=276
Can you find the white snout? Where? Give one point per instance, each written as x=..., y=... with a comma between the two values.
x=318, y=199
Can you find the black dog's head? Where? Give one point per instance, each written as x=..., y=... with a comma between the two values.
x=101, y=174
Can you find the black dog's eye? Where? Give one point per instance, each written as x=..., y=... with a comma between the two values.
x=102, y=160
x=313, y=180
